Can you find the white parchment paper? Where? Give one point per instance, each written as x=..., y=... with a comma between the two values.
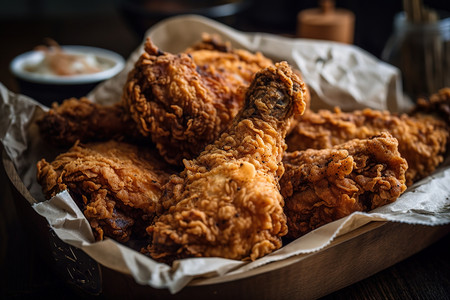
x=337, y=75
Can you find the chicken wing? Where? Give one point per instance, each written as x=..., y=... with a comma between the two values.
x=116, y=185
x=226, y=202
x=320, y=186
x=422, y=139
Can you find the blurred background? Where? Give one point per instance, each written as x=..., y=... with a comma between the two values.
x=119, y=25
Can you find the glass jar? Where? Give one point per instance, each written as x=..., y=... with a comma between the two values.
x=422, y=53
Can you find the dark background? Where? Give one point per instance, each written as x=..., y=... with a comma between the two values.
x=25, y=24
x=107, y=24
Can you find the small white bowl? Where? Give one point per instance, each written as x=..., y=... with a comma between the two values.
x=48, y=88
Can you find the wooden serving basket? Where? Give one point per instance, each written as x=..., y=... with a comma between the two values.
x=348, y=259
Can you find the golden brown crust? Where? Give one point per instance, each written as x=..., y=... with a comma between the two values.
x=437, y=104
x=422, y=139
x=226, y=202
x=321, y=186
x=80, y=119
x=115, y=184
x=184, y=101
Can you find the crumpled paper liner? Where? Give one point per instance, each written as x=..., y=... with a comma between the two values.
x=337, y=74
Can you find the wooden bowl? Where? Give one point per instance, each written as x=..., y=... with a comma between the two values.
x=348, y=259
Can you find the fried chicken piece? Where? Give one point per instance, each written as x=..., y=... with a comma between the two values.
x=181, y=102
x=422, y=139
x=236, y=66
x=80, y=119
x=226, y=202
x=320, y=186
x=437, y=104
x=116, y=185
x=184, y=101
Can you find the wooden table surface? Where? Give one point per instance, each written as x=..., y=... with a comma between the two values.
x=425, y=275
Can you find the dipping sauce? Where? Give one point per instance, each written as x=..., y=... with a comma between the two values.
x=59, y=62
x=53, y=73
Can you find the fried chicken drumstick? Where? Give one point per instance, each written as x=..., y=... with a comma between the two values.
x=116, y=185
x=320, y=186
x=226, y=202
x=421, y=138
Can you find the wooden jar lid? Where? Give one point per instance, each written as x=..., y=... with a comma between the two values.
x=326, y=23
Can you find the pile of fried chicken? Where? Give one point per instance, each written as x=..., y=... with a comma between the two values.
x=213, y=152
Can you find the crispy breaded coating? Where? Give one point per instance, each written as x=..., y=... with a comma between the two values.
x=437, y=104
x=236, y=66
x=226, y=203
x=321, y=186
x=182, y=104
x=116, y=185
x=80, y=119
x=421, y=139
